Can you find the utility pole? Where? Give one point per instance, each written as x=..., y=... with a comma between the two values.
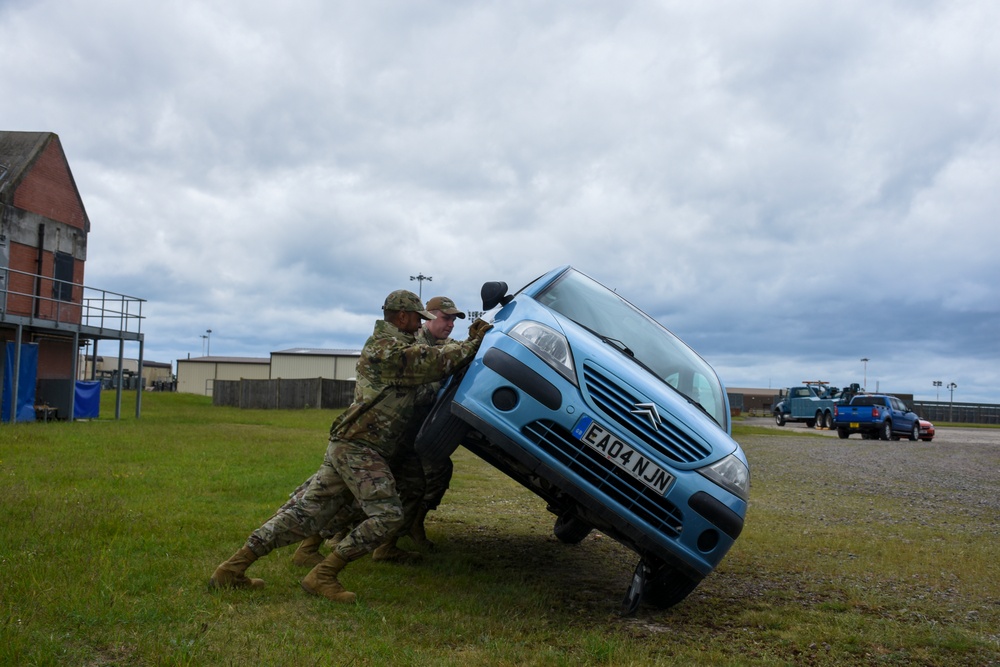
x=209, y=341
x=420, y=278
x=951, y=401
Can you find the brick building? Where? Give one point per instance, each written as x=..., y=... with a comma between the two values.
x=46, y=311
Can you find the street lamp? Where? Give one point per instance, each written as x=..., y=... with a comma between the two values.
x=865, y=361
x=951, y=401
x=937, y=383
x=203, y=337
x=208, y=340
x=420, y=278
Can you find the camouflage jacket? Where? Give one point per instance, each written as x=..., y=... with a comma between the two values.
x=394, y=392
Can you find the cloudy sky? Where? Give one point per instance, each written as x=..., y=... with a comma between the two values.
x=789, y=186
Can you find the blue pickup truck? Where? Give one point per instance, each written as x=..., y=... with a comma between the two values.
x=876, y=417
x=611, y=420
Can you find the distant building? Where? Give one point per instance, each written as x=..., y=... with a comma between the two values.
x=196, y=376
x=155, y=375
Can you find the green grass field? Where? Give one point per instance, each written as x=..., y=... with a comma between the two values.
x=111, y=529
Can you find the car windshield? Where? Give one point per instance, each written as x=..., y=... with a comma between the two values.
x=637, y=336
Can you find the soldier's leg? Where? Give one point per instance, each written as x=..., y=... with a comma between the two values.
x=437, y=478
x=409, y=475
x=296, y=521
x=366, y=473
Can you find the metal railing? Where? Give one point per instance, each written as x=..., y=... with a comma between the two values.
x=102, y=310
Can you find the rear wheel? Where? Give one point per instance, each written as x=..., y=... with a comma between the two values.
x=886, y=432
x=820, y=420
x=842, y=433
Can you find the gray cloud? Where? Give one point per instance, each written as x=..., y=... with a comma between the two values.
x=788, y=186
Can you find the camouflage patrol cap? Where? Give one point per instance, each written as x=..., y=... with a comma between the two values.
x=445, y=305
x=407, y=302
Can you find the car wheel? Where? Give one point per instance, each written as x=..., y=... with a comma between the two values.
x=820, y=422
x=667, y=586
x=915, y=432
x=810, y=423
x=442, y=432
x=779, y=418
x=842, y=433
x=570, y=529
x=886, y=433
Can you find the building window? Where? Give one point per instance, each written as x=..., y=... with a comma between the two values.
x=62, y=288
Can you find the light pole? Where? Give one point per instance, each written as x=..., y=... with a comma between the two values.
x=420, y=278
x=865, y=361
x=951, y=401
x=208, y=341
x=203, y=337
x=937, y=383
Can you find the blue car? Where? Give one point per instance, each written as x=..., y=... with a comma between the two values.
x=611, y=419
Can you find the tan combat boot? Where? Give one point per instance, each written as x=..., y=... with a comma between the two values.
x=232, y=573
x=389, y=552
x=308, y=552
x=322, y=580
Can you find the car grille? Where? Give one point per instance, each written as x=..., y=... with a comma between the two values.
x=617, y=404
x=635, y=496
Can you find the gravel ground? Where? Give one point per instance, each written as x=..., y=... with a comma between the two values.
x=959, y=470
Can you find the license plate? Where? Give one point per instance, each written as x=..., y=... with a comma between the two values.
x=855, y=424
x=622, y=455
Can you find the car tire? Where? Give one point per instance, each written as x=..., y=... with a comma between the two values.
x=570, y=529
x=779, y=418
x=820, y=421
x=667, y=586
x=442, y=432
x=885, y=432
x=810, y=423
x=842, y=433
x=915, y=432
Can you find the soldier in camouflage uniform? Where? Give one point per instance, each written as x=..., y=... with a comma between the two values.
x=437, y=476
x=421, y=484
x=391, y=377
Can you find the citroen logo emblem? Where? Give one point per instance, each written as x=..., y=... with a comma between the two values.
x=648, y=410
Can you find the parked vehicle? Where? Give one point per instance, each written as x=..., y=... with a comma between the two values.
x=811, y=403
x=609, y=418
x=926, y=430
x=877, y=417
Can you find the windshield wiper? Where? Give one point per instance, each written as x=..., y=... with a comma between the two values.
x=622, y=347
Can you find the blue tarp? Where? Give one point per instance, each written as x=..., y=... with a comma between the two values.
x=87, y=404
x=28, y=375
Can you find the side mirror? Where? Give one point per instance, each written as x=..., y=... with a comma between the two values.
x=494, y=294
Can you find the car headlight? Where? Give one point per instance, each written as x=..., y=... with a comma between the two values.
x=731, y=474
x=548, y=345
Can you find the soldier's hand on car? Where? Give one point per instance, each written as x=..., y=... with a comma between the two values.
x=478, y=329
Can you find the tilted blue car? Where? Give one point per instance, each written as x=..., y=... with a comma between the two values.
x=611, y=419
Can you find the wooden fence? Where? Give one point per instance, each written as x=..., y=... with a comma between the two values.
x=283, y=394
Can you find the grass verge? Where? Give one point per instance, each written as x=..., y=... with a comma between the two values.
x=111, y=528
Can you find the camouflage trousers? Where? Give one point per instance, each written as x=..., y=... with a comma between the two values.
x=437, y=478
x=409, y=475
x=350, y=472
